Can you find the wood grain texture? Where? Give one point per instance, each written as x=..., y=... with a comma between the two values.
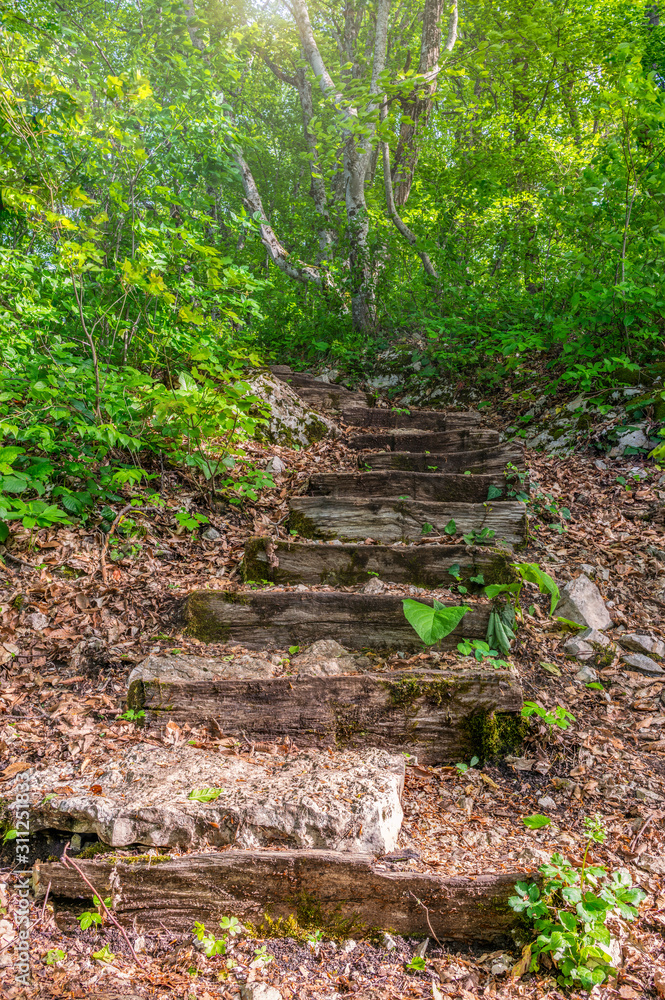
x=350, y=564
x=322, y=395
x=432, y=714
x=265, y=619
x=480, y=461
x=390, y=519
x=442, y=487
x=428, y=420
x=247, y=884
x=441, y=442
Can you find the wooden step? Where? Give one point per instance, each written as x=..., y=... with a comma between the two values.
x=442, y=487
x=324, y=395
x=427, y=420
x=265, y=619
x=441, y=442
x=390, y=519
x=440, y=716
x=356, y=889
x=481, y=461
x=350, y=564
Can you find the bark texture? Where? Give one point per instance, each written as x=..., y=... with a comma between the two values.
x=248, y=884
x=440, y=716
x=481, y=461
x=349, y=565
x=267, y=619
x=447, y=487
x=390, y=519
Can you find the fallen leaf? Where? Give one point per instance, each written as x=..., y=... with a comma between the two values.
x=16, y=768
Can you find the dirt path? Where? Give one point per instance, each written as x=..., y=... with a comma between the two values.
x=66, y=680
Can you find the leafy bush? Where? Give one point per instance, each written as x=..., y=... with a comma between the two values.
x=570, y=911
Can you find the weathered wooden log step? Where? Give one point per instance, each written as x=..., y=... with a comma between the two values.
x=324, y=395
x=427, y=420
x=351, y=564
x=266, y=619
x=352, y=893
x=443, y=487
x=441, y=442
x=480, y=461
x=390, y=519
x=440, y=716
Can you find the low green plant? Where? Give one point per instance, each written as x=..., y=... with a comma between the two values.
x=569, y=914
x=481, y=651
x=479, y=536
x=433, y=622
x=417, y=964
x=263, y=954
x=132, y=715
x=560, y=717
x=54, y=955
x=104, y=955
x=210, y=945
x=89, y=918
x=462, y=768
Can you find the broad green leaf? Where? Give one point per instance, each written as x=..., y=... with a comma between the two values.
x=432, y=623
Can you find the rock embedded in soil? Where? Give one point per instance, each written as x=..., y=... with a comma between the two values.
x=581, y=602
x=639, y=643
x=642, y=664
x=338, y=801
x=291, y=423
x=326, y=657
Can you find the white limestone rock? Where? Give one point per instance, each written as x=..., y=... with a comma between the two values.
x=581, y=602
x=290, y=423
x=326, y=657
x=342, y=801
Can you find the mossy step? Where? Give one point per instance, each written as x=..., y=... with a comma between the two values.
x=391, y=519
x=340, y=893
x=441, y=442
x=276, y=620
x=352, y=564
x=440, y=716
x=429, y=420
x=479, y=461
x=442, y=487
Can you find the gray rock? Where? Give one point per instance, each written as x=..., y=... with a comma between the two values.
x=578, y=648
x=389, y=942
x=581, y=602
x=602, y=466
x=643, y=664
x=202, y=668
x=593, y=636
x=326, y=658
x=639, y=643
x=290, y=422
x=349, y=945
x=276, y=466
x=547, y=802
x=373, y=586
x=632, y=439
x=651, y=863
x=587, y=674
x=211, y=534
x=421, y=950
x=37, y=621
x=343, y=801
x=259, y=991
x=502, y=965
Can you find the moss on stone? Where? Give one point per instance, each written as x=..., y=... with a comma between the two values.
x=494, y=734
x=253, y=568
x=304, y=526
x=93, y=849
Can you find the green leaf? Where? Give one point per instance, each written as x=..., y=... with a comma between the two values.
x=532, y=573
x=451, y=527
x=205, y=794
x=433, y=623
x=104, y=955
x=494, y=492
x=536, y=822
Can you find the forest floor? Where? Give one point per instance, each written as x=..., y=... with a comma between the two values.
x=69, y=640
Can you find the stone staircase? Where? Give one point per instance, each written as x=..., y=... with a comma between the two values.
x=309, y=829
